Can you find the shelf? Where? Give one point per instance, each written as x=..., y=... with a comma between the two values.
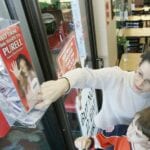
x=65, y=1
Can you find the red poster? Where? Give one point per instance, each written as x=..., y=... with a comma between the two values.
x=18, y=63
x=68, y=58
x=4, y=127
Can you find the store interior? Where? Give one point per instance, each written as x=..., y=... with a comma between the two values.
x=120, y=28
x=122, y=34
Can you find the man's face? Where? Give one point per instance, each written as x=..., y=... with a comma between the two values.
x=141, y=82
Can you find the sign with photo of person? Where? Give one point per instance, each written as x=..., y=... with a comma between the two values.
x=19, y=84
x=14, y=54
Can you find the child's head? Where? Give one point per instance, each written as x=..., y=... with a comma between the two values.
x=139, y=130
x=144, y=121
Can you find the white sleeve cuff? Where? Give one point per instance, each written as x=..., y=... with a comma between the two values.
x=96, y=143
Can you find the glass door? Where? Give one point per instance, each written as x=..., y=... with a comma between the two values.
x=58, y=22
x=60, y=30
x=66, y=25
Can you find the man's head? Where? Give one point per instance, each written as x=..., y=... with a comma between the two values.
x=141, y=81
x=145, y=57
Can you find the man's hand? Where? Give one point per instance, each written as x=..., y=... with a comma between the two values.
x=51, y=91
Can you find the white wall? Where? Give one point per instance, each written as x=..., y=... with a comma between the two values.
x=105, y=34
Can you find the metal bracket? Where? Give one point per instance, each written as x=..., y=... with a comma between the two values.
x=100, y=62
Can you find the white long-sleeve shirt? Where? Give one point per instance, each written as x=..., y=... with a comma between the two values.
x=120, y=101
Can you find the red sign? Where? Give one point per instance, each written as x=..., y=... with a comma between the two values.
x=16, y=58
x=68, y=57
x=4, y=127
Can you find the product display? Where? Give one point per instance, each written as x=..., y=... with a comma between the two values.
x=19, y=85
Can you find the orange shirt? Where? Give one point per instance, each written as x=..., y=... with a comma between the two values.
x=119, y=142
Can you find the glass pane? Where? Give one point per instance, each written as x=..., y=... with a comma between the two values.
x=24, y=139
x=67, y=33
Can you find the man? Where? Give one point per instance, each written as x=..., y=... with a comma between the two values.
x=124, y=93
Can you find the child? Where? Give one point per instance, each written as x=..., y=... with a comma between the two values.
x=137, y=137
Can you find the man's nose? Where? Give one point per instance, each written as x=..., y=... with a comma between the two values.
x=140, y=82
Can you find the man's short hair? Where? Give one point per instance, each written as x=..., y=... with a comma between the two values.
x=145, y=57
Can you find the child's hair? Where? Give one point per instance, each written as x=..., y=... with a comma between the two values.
x=144, y=121
x=145, y=56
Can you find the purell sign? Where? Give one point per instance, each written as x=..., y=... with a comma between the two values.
x=19, y=85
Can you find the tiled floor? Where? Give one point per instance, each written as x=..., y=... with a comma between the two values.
x=24, y=139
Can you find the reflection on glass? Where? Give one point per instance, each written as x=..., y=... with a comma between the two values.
x=66, y=23
x=58, y=21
